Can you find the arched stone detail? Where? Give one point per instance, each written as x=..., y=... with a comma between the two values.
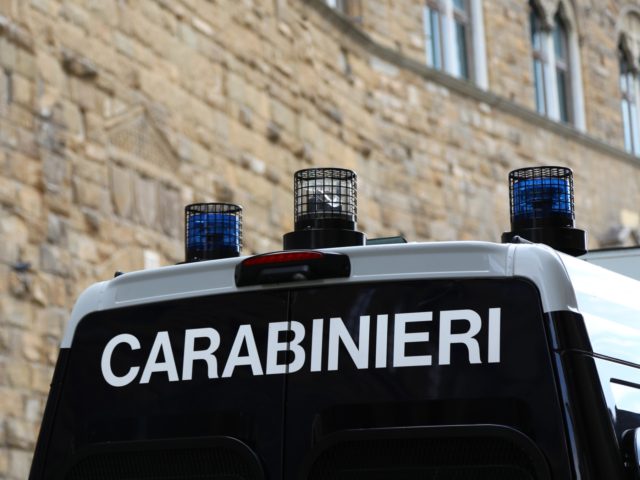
x=626, y=44
x=549, y=8
x=628, y=34
x=545, y=12
x=567, y=11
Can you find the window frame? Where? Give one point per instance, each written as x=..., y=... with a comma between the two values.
x=563, y=65
x=556, y=79
x=451, y=47
x=629, y=95
x=463, y=17
x=434, y=42
x=539, y=56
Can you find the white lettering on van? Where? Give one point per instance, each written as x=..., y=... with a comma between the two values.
x=162, y=344
x=401, y=340
x=207, y=355
x=448, y=338
x=105, y=363
x=244, y=337
x=338, y=333
x=274, y=346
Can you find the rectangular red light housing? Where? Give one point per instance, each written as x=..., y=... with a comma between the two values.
x=291, y=266
x=282, y=257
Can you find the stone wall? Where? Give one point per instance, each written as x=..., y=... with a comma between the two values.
x=509, y=61
x=115, y=114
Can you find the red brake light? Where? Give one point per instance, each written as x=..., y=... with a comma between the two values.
x=281, y=257
x=291, y=266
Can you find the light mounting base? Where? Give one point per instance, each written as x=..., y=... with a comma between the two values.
x=315, y=238
x=569, y=240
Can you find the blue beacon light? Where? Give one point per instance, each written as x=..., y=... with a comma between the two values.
x=542, y=209
x=213, y=230
x=543, y=200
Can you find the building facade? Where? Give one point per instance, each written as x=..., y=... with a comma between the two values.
x=114, y=114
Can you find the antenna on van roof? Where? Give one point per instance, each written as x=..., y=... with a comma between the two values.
x=542, y=209
x=325, y=210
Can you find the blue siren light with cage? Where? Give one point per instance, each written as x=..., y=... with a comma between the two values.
x=542, y=209
x=325, y=210
x=212, y=231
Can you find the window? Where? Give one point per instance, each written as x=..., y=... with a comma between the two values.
x=462, y=38
x=433, y=27
x=539, y=60
x=560, y=44
x=556, y=65
x=454, y=38
x=629, y=58
x=628, y=104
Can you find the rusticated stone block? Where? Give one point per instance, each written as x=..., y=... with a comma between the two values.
x=19, y=433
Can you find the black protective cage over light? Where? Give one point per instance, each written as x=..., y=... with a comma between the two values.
x=542, y=209
x=212, y=230
x=325, y=209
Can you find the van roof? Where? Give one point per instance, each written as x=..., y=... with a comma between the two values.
x=542, y=265
x=625, y=261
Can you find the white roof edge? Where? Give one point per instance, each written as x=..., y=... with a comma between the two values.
x=541, y=264
x=545, y=267
x=88, y=301
x=633, y=251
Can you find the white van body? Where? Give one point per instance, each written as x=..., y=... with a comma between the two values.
x=421, y=346
x=625, y=261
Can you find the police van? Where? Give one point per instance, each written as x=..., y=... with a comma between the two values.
x=342, y=358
